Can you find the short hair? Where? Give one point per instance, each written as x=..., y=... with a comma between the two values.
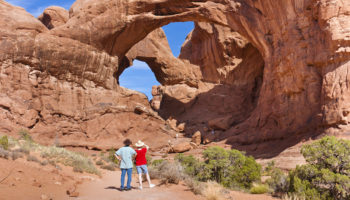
x=127, y=142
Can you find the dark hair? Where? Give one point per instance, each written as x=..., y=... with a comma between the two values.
x=127, y=142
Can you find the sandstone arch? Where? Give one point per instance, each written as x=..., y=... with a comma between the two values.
x=304, y=45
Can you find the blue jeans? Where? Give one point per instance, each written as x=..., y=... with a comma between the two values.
x=129, y=171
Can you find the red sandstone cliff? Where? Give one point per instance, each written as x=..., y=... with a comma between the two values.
x=265, y=69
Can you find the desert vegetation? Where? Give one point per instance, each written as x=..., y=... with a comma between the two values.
x=325, y=176
x=53, y=155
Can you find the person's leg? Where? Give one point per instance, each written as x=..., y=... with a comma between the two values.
x=139, y=172
x=122, y=178
x=129, y=171
x=145, y=170
x=140, y=180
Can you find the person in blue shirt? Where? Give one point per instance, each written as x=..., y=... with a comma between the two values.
x=125, y=156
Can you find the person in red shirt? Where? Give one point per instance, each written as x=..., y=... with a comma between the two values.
x=141, y=162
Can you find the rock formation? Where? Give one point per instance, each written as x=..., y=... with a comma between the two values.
x=54, y=16
x=266, y=69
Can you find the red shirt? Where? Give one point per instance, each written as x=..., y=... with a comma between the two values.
x=141, y=157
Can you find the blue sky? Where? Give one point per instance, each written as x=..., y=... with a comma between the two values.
x=139, y=76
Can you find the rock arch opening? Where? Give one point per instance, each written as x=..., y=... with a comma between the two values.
x=212, y=85
x=139, y=77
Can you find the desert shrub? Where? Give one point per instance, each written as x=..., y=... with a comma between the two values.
x=24, y=150
x=111, y=157
x=148, y=158
x=157, y=162
x=99, y=162
x=191, y=165
x=4, y=153
x=213, y=191
x=44, y=162
x=231, y=168
x=68, y=158
x=259, y=189
x=31, y=158
x=110, y=167
x=327, y=172
x=24, y=135
x=15, y=155
x=78, y=169
x=167, y=172
x=278, y=181
x=195, y=186
x=4, y=142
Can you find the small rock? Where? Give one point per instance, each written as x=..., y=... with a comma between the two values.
x=72, y=193
x=181, y=127
x=17, y=179
x=197, y=138
x=172, y=123
x=222, y=123
x=36, y=184
x=44, y=197
x=182, y=147
x=194, y=145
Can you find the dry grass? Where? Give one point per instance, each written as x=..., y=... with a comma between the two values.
x=195, y=186
x=292, y=197
x=53, y=155
x=167, y=172
x=213, y=191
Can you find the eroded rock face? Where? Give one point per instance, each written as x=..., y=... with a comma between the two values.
x=286, y=76
x=54, y=16
x=64, y=91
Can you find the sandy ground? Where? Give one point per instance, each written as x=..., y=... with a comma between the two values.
x=24, y=180
x=107, y=189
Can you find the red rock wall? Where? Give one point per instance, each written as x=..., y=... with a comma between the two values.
x=304, y=45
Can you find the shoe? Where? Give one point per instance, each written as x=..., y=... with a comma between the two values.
x=121, y=189
x=151, y=185
x=127, y=189
x=140, y=187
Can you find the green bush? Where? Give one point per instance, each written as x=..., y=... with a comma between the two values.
x=327, y=172
x=157, y=162
x=231, y=168
x=110, y=167
x=24, y=135
x=191, y=165
x=278, y=181
x=259, y=189
x=4, y=142
x=111, y=157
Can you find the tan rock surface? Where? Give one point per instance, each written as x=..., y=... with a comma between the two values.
x=181, y=147
x=54, y=16
x=197, y=138
x=290, y=79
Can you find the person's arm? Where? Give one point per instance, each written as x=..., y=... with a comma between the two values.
x=147, y=147
x=118, y=156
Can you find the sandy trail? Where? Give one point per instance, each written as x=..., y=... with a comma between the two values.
x=106, y=188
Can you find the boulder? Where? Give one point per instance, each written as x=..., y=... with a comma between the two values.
x=182, y=147
x=222, y=123
x=197, y=138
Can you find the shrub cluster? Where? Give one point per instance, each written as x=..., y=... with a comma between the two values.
x=327, y=172
x=231, y=168
x=325, y=176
